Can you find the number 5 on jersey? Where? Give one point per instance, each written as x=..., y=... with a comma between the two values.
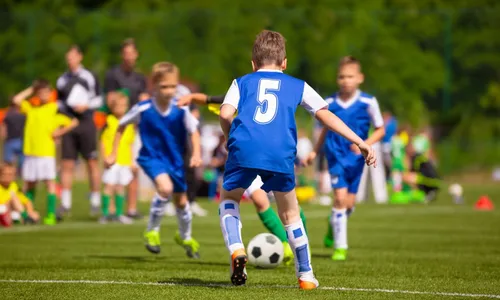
x=268, y=101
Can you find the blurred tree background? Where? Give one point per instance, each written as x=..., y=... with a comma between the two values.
x=430, y=62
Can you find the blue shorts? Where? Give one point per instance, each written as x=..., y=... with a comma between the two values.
x=347, y=177
x=11, y=149
x=155, y=167
x=238, y=177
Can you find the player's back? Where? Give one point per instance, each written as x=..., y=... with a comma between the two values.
x=263, y=135
x=163, y=135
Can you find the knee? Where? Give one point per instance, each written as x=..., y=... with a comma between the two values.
x=340, y=201
x=165, y=191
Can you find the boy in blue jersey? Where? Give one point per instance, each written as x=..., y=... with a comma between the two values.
x=345, y=163
x=164, y=128
x=261, y=140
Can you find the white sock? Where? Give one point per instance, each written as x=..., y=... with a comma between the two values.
x=95, y=199
x=66, y=198
x=184, y=220
x=339, y=225
x=299, y=242
x=156, y=212
x=230, y=224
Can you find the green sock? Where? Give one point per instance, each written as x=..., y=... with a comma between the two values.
x=30, y=194
x=273, y=223
x=303, y=217
x=105, y=205
x=51, y=204
x=329, y=232
x=24, y=214
x=119, y=202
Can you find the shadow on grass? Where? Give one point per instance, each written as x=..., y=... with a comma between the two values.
x=321, y=255
x=202, y=262
x=196, y=282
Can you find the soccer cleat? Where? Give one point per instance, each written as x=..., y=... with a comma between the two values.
x=152, y=241
x=239, y=261
x=197, y=210
x=125, y=220
x=95, y=210
x=191, y=246
x=50, y=219
x=104, y=220
x=287, y=254
x=339, y=254
x=308, y=282
x=135, y=216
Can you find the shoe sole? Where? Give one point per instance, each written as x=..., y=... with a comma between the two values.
x=239, y=277
x=153, y=249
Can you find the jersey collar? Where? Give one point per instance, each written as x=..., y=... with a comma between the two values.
x=348, y=103
x=269, y=70
x=173, y=102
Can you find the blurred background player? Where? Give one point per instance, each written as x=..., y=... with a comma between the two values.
x=391, y=128
x=79, y=93
x=11, y=131
x=12, y=203
x=358, y=110
x=263, y=142
x=44, y=124
x=117, y=177
x=126, y=78
x=164, y=128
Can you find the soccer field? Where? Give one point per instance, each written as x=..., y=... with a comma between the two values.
x=433, y=251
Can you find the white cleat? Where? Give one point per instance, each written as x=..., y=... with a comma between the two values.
x=197, y=210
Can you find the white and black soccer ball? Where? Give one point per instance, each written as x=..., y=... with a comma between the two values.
x=265, y=250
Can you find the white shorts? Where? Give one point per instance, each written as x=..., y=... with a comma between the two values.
x=256, y=185
x=117, y=175
x=37, y=168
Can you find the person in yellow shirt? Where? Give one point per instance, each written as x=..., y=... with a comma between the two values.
x=12, y=201
x=118, y=176
x=44, y=125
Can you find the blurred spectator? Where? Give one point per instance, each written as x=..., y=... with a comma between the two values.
x=79, y=93
x=12, y=131
x=124, y=77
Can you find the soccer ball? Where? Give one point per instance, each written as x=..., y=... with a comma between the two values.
x=265, y=250
x=455, y=190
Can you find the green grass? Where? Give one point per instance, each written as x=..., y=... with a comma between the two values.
x=432, y=248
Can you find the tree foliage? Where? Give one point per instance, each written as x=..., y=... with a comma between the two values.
x=427, y=61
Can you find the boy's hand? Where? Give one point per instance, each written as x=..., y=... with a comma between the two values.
x=309, y=159
x=368, y=154
x=355, y=149
x=34, y=216
x=185, y=100
x=195, y=161
x=57, y=133
x=110, y=160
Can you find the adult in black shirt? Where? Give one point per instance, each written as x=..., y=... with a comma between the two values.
x=124, y=77
x=12, y=131
x=79, y=94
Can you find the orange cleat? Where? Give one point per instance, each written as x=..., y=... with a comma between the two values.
x=308, y=283
x=239, y=260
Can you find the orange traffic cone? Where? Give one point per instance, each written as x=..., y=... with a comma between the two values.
x=484, y=203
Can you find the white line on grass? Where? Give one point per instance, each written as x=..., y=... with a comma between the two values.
x=331, y=288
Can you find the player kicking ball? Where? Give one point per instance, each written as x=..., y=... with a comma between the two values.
x=163, y=128
x=261, y=141
x=345, y=163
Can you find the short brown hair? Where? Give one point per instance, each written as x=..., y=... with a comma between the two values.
x=129, y=42
x=349, y=60
x=76, y=48
x=39, y=84
x=163, y=68
x=268, y=48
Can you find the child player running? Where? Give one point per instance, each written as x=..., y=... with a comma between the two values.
x=261, y=140
x=164, y=128
x=345, y=162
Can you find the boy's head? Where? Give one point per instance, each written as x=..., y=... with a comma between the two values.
x=41, y=88
x=349, y=76
x=119, y=104
x=165, y=79
x=269, y=50
x=7, y=174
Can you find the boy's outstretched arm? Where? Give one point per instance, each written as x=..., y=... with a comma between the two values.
x=200, y=99
x=67, y=128
x=333, y=123
x=196, y=156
